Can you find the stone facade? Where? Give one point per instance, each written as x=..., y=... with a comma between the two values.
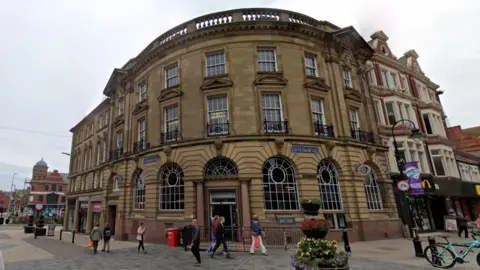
x=295, y=120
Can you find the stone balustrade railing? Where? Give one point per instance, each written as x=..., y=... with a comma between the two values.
x=231, y=16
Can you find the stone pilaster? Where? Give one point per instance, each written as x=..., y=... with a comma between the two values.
x=245, y=194
x=75, y=215
x=200, y=202
x=89, y=218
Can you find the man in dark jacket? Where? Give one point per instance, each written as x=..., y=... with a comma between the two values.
x=462, y=225
x=107, y=232
x=196, y=242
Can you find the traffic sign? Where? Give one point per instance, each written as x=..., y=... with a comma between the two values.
x=39, y=206
x=403, y=185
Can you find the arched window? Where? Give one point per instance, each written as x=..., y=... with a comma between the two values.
x=279, y=185
x=329, y=186
x=171, y=187
x=372, y=191
x=220, y=167
x=139, y=191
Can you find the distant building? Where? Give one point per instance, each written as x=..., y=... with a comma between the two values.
x=467, y=140
x=4, y=201
x=48, y=188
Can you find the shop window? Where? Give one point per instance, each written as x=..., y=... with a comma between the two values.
x=139, y=191
x=279, y=185
x=171, y=187
x=372, y=191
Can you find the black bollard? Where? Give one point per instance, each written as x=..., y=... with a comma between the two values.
x=61, y=231
x=346, y=242
x=431, y=241
x=417, y=244
x=73, y=236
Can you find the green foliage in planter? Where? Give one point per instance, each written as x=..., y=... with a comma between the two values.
x=312, y=200
x=315, y=252
x=60, y=220
x=41, y=221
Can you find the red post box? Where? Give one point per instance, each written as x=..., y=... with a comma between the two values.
x=172, y=237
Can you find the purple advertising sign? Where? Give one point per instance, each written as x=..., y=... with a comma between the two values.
x=413, y=175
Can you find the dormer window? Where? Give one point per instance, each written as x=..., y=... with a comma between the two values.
x=384, y=50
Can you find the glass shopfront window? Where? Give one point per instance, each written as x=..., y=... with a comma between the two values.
x=420, y=213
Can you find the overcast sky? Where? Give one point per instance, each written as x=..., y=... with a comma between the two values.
x=56, y=57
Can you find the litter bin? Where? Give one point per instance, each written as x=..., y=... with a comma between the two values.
x=172, y=237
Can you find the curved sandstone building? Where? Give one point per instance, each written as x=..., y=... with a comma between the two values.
x=236, y=113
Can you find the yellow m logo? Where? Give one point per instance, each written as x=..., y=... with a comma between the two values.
x=426, y=183
x=477, y=188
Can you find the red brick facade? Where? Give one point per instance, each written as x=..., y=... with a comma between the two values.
x=467, y=140
x=4, y=201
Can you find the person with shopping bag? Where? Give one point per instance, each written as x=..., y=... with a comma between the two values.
x=220, y=239
x=257, y=234
x=95, y=237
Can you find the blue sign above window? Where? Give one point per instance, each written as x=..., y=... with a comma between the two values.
x=150, y=159
x=304, y=149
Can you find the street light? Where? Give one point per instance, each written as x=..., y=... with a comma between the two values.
x=416, y=135
x=66, y=154
x=11, y=192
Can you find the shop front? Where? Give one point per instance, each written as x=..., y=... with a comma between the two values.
x=82, y=216
x=70, y=214
x=446, y=202
x=96, y=213
x=471, y=202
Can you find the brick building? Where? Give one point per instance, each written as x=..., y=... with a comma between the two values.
x=467, y=140
x=247, y=116
x=4, y=201
x=48, y=188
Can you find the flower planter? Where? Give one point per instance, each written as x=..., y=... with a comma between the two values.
x=40, y=231
x=28, y=229
x=310, y=209
x=315, y=234
x=327, y=267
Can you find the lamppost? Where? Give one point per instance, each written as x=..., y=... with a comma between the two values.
x=417, y=136
x=65, y=153
x=11, y=193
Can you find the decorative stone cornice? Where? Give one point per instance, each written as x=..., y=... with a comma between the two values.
x=270, y=78
x=170, y=93
x=216, y=83
x=119, y=120
x=140, y=107
x=353, y=94
x=315, y=83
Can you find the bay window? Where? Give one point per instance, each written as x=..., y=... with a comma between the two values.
x=444, y=162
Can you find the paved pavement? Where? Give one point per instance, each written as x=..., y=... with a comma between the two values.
x=21, y=251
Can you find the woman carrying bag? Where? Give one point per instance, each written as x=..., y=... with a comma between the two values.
x=220, y=239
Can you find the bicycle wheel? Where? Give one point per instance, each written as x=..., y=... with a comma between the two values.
x=439, y=256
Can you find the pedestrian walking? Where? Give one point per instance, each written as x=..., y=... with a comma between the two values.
x=462, y=225
x=141, y=237
x=195, y=242
x=106, y=237
x=257, y=234
x=213, y=226
x=220, y=238
x=95, y=237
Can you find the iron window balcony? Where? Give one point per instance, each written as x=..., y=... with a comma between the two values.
x=323, y=130
x=140, y=146
x=218, y=129
x=363, y=136
x=170, y=136
x=116, y=154
x=275, y=127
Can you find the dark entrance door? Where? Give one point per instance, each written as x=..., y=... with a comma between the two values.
x=224, y=204
x=112, y=216
x=438, y=212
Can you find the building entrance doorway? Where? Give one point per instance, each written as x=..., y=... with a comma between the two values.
x=112, y=216
x=224, y=204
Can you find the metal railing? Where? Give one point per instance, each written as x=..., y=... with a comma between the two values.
x=219, y=129
x=116, y=154
x=323, y=130
x=363, y=136
x=168, y=137
x=140, y=146
x=241, y=238
x=279, y=127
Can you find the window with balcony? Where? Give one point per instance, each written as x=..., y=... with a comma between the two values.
x=347, y=79
x=318, y=116
x=215, y=64
x=119, y=146
x=171, y=76
x=267, y=60
x=272, y=113
x=142, y=92
x=171, y=124
x=121, y=107
x=217, y=116
x=141, y=136
x=311, y=65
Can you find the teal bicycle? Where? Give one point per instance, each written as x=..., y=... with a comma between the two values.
x=443, y=255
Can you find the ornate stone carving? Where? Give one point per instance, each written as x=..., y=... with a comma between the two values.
x=371, y=151
x=216, y=83
x=330, y=145
x=140, y=107
x=353, y=95
x=331, y=58
x=167, y=150
x=279, y=142
x=119, y=120
x=218, y=143
x=169, y=93
x=270, y=78
x=317, y=84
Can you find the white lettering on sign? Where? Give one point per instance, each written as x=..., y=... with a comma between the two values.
x=416, y=185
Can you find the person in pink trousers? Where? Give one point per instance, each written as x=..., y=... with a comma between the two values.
x=141, y=237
